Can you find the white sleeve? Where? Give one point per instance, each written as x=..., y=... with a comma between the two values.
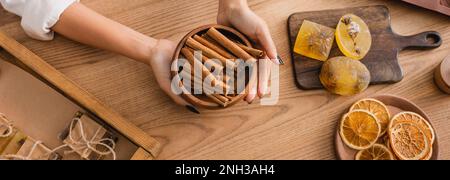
x=38, y=16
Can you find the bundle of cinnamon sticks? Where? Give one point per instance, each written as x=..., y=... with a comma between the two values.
x=215, y=56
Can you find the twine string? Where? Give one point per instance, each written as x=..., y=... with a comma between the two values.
x=85, y=145
x=19, y=157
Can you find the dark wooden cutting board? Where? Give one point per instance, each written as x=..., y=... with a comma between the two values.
x=381, y=60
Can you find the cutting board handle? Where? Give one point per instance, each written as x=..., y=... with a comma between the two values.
x=421, y=41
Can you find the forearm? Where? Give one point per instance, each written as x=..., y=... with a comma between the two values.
x=84, y=25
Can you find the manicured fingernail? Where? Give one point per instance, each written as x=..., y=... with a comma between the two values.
x=280, y=60
x=246, y=100
x=192, y=109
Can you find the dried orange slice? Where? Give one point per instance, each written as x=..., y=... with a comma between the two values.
x=408, y=141
x=411, y=117
x=359, y=129
x=429, y=155
x=353, y=37
x=388, y=145
x=378, y=109
x=376, y=152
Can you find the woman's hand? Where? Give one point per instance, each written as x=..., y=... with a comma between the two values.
x=237, y=14
x=160, y=60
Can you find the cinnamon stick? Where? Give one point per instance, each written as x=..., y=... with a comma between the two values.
x=211, y=40
x=254, y=52
x=236, y=50
x=209, y=52
x=205, y=60
x=226, y=80
x=214, y=47
x=205, y=72
x=214, y=97
x=221, y=98
x=185, y=75
x=229, y=45
x=195, y=81
x=216, y=100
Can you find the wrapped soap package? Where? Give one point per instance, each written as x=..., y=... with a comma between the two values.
x=88, y=139
x=36, y=150
x=14, y=143
x=5, y=127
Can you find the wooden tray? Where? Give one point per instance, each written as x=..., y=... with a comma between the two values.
x=442, y=6
x=381, y=60
x=395, y=105
x=20, y=56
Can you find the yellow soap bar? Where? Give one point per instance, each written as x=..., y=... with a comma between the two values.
x=314, y=40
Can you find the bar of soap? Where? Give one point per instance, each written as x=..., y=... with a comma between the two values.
x=4, y=129
x=15, y=143
x=92, y=131
x=4, y=125
x=41, y=152
x=314, y=41
x=4, y=142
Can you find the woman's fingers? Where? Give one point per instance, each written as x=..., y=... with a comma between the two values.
x=161, y=69
x=265, y=40
x=161, y=62
x=253, y=91
x=165, y=83
x=265, y=67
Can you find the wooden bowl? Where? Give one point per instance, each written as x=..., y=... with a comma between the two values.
x=442, y=76
x=395, y=105
x=202, y=101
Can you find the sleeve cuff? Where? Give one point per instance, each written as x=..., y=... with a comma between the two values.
x=40, y=16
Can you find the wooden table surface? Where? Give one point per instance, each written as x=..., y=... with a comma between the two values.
x=301, y=126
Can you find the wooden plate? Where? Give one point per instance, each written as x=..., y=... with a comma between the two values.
x=442, y=76
x=200, y=100
x=395, y=105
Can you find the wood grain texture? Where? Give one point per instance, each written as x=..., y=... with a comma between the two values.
x=142, y=154
x=301, y=126
x=381, y=60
